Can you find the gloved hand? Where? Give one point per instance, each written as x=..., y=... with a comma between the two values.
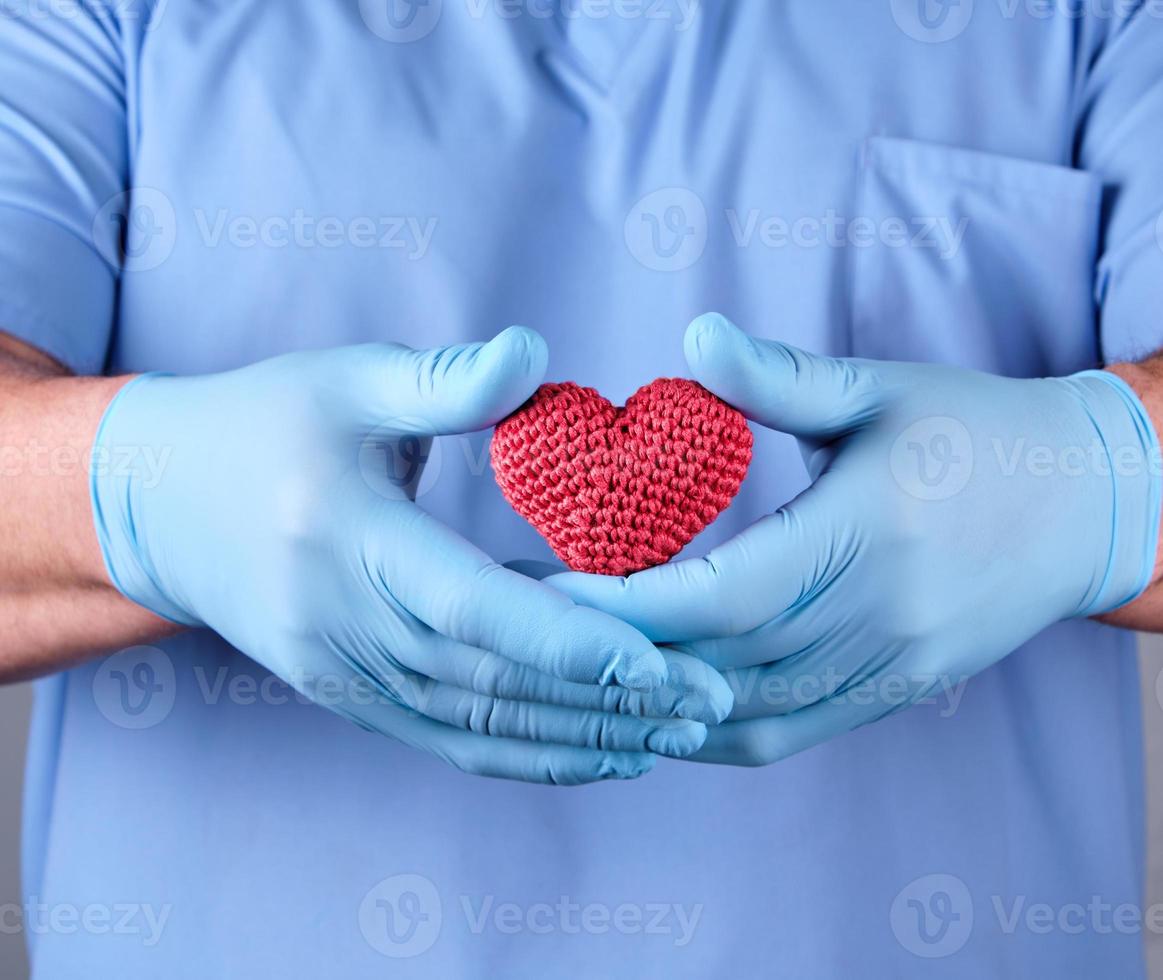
x=276, y=522
x=953, y=515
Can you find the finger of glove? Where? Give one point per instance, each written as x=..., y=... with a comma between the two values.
x=777, y=385
x=534, y=568
x=550, y=723
x=449, y=390
x=458, y=591
x=762, y=741
x=692, y=690
x=733, y=590
x=778, y=689
x=829, y=669
x=502, y=758
x=793, y=631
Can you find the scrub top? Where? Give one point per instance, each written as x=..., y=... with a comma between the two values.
x=193, y=185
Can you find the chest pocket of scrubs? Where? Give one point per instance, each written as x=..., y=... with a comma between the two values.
x=969, y=258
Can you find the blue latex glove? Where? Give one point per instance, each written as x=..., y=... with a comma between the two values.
x=275, y=523
x=953, y=515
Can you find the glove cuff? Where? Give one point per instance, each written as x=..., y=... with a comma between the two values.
x=1126, y=432
x=125, y=464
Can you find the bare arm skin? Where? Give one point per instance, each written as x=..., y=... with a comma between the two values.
x=57, y=606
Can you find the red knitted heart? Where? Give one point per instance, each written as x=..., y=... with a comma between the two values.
x=616, y=490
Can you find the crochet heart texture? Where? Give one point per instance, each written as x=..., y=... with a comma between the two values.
x=616, y=490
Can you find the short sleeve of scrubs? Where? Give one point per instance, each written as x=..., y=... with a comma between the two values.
x=63, y=162
x=1120, y=139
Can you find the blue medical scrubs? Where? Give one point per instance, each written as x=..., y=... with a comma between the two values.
x=970, y=183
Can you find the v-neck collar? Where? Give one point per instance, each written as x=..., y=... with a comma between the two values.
x=601, y=35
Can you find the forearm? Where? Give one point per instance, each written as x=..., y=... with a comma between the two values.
x=54, y=630
x=56, y=602
x=1145, y=612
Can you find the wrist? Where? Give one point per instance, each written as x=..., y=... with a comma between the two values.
x=48, y=425
x=1130, y=472
x=96, y=396
x=128, y=482
x=1145, y=612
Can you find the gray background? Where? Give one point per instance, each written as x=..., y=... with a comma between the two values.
x=14, y=705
